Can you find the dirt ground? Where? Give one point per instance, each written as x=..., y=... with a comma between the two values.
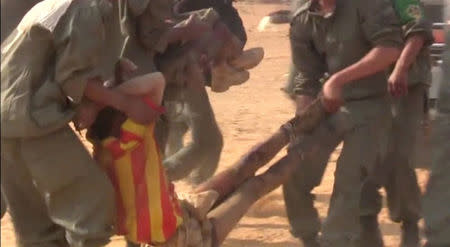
x=248, y=114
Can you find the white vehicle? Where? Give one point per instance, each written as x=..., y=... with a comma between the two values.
x=433, y=11
x=436, y=71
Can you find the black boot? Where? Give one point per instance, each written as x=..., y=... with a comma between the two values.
x=370, y=232
x=410, y=234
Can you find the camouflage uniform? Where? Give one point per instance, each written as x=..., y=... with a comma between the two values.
x=437, y=198
x=11, y=14
x=396, y=173
x=329, y=45
x=191, y=109
x=9, y=19
x=186, y=108
x=56, y=193
x=199, y=158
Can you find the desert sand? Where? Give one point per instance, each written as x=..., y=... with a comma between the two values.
x=247, y=114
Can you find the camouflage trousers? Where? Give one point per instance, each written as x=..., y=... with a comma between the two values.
x=396, y=172
x=362, y=126
x=198, y=159
x=55, y=192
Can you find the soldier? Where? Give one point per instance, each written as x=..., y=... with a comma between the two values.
x=12, y=12
x=9, y=19
x=407, y=85
x=192, y=108
x=437, y=197
x=48, y=68
x=353, y=41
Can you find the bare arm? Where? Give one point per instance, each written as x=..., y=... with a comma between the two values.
x=412, y=48
x=151, y=84
x=398, y=81
x=102, y=96
x=378, y=59
x=381, y=28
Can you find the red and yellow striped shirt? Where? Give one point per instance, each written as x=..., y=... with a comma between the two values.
x=147, y=207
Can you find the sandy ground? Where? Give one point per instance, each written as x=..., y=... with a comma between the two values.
x=248, y=114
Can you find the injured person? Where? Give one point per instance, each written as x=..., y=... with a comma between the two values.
x=148, y=209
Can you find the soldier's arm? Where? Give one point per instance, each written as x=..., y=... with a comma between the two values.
x=382, y=29
x=418, y=34
x=397, y=82
x=80, y=48
x=310, y=65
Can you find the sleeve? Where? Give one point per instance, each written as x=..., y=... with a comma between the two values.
x=417, y=23
x=80, y=46
x=421, y=27
x=309, y=64
x=380, y=23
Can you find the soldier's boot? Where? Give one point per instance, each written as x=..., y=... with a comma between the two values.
x=370, y=232
x=224, y=76
x=410, y=234
x=248, y=59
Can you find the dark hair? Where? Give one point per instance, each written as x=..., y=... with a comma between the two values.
x=108, y=119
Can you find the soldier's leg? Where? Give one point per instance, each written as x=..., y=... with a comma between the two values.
x=33, y=226
x=437, y=198
x=403, y=192
x=365, y=141
x=289, y=87
x=203, y=124
x=302, y=215
x=202, y=154
x=396, y=173
x=177, y=130
x=371, y=203
x=77, y=194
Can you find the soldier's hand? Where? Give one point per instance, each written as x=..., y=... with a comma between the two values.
x=332, y=94
x=398, y=83
x=86, y=115
x=126, y=67
x=139, y=111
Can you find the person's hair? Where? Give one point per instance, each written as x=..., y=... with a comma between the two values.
x=108, y=119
